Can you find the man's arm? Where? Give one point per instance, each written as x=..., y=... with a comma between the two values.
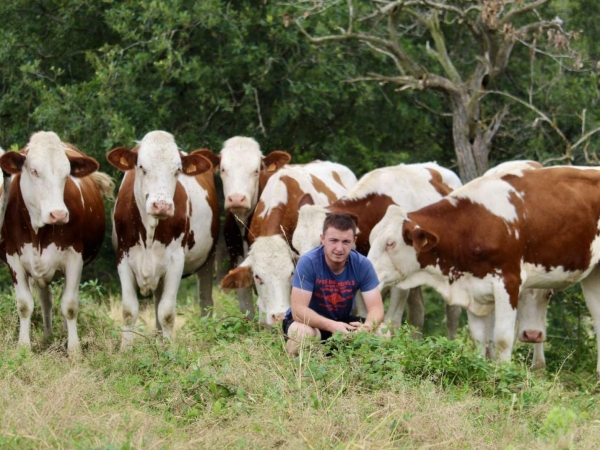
x=303, y=314
x=374, y=304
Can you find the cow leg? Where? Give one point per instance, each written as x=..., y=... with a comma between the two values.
x=481, y=330
x=539, y=360
x=204, y=278
x=70, y=300
x=504, y=322
x=393, y=315
x=591, y=291
x=416, y=309
x=24, y=300
x=130, y=304
x=452, y=317
x=246, y=301
x=166, y=308
x=158, y=292
x=45, y=295
x=359, y=305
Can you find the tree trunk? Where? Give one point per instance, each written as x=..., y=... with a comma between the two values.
x=471, y=159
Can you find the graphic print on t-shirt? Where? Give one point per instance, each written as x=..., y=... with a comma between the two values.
x=334, y=295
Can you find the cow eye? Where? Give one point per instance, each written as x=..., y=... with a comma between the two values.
x=258, y=279
x=222, y=169
x=390, y=245
x=143, y=170
x=256, y=172
x=34, y=173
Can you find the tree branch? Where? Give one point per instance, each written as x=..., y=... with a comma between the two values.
x=512, y=14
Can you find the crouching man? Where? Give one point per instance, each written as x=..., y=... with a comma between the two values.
x=324, y=285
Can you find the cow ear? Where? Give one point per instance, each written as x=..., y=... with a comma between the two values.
x=122, y=158
x=423, y=240
x=306, y=199
x=215, y=160
x=12, y=162
x=276, y=160
x=240, y=277
x=82, y=166
x=195, y=164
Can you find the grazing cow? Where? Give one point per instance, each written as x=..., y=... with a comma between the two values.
x=270, y=261
x=245, y=173
x=54, y=222
x=486, y=242
x=412, y=186
x=533, y=303
x=165, y=226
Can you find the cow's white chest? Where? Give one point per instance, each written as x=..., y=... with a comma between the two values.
x=41, y=264
x=150, y=264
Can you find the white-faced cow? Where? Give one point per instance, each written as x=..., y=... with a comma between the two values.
x=54, y=223
x=165, y=226
x=486, y=242
x=270, y=261
x=245, y=173
x=410, y=185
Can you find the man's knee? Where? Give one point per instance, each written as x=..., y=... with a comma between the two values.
x=297, y=334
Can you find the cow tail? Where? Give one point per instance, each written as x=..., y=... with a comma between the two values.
x=105, y=183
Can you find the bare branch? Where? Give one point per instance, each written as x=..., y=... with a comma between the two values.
x=261, y=126
x=541, y=115
x=390, y=55
x=440, y=44
x=510, y=16
x=585, y=137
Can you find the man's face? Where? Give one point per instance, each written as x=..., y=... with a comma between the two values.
x=337, y=244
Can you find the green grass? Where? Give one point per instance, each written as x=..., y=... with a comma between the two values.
x=227, y=383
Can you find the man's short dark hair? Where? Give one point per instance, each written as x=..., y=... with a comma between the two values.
x=342, y=222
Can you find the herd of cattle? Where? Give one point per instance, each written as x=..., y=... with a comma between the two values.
x=496, y=246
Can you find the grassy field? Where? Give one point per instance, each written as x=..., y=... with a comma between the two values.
x=226, y=383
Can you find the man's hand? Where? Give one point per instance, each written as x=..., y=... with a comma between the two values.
x=362, y=326
x=342, y=327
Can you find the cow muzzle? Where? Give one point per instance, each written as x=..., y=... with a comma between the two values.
x=58, y=217
x=532, y=336
x=161, y=210
x=237, y=203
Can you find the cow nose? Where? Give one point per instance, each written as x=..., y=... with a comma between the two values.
x=162, y=208
x=277, y=318
x=236, y=201
x=59, y=217
x=532, y=336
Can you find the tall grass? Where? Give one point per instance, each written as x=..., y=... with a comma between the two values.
x=227, y=383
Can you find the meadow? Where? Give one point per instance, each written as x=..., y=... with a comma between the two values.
x=227, y=383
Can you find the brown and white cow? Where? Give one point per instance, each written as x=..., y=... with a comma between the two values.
x=410, y=185
x=270, y=261
x=245, y=173
x=533, y=303
x=486, y=242
x=54, y=223
x=165, y=226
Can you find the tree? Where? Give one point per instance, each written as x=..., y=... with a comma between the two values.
x=457, y=47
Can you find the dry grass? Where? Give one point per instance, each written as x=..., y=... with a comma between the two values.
x=144, y=400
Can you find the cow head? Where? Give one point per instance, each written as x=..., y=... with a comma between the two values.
x=44, y=166
x=270, y=266
x=309, y=226
x=395, y=244
x=157, y=164
x=531, y=313
x=241, y=163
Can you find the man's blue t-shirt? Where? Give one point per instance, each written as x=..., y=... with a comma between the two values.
x=333, y=295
